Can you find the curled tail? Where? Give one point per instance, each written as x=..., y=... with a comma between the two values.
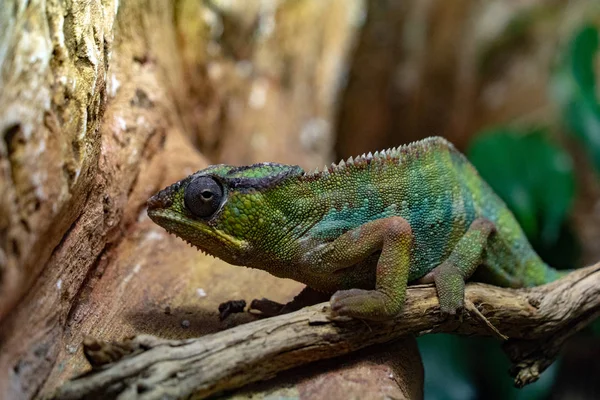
x=535, y=272
x=552, y=274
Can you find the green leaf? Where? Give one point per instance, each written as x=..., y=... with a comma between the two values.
x=595, y=327
x=491, y=366
x=574, y=87
x=458, y=368
x=447, y=374
x=533, y=176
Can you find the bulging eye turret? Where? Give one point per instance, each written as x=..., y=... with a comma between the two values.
x=203, y=196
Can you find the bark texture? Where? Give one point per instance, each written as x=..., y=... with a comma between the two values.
x=537, y=322
x=101, y=105
x=53, y=82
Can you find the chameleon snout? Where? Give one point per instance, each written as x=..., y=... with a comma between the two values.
x=160, y=200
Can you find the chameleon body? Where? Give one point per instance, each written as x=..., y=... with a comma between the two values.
x=360, y=230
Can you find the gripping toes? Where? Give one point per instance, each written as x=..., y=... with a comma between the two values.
x=393, y=237
x=364, y=304
x=449, y=277
x=450, y=286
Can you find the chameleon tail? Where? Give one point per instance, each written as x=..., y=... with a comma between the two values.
x=535, y=272
x=554, y=274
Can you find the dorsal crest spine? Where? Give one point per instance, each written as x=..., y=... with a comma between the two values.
x=391, y=155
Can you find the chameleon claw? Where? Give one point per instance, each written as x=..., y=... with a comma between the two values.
x=266, y=307
x=474, y=311
x=231, y=307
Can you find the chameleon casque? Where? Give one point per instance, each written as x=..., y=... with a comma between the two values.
x=360, y=230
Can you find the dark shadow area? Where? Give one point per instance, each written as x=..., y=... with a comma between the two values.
x=183, y=322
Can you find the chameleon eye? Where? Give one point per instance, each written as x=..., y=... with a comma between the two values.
x=203, y=196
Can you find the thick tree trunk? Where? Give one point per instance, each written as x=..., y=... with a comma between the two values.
x=53, y=97
x=101, y=104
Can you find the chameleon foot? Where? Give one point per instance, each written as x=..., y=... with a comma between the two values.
x=231, y=307
x=449, y=277
x=307, y=297
x=450, y=286
x=362, y=304
x=266, y=307
x=449, y=308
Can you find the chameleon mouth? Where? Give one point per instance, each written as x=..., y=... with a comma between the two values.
x=162, y=216
x=175, y=223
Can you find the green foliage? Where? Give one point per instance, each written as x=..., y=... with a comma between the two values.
x=595, y=328
x=447, y=373
x=469, y=368
x=574, y=85
x=533, y=176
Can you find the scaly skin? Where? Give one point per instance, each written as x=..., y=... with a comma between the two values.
x=361, y=229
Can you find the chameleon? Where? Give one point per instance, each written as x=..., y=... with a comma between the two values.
x=360, y=231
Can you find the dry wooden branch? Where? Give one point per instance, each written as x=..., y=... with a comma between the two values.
x=537, y=322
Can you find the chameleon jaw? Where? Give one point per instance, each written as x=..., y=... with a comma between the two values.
x=181, y=227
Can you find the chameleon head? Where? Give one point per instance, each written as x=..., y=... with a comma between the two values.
x=220, y=209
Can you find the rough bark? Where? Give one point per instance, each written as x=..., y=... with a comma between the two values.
x=100, y=126
x=53, y=70
x=99, y=106
x=537, y=322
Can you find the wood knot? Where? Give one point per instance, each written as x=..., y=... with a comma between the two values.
x=534, y=302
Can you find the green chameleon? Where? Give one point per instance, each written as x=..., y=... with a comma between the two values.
x=358, y=231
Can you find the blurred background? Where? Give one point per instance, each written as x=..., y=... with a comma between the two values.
x=512, y=83
x=104, y=103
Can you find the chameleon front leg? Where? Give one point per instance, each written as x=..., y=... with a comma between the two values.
x=393, y=236
x=449, y=277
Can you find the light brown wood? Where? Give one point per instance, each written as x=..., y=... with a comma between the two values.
x=104, y=103
x=537, y=322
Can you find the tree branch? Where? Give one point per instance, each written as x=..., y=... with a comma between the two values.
x=537, y=322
